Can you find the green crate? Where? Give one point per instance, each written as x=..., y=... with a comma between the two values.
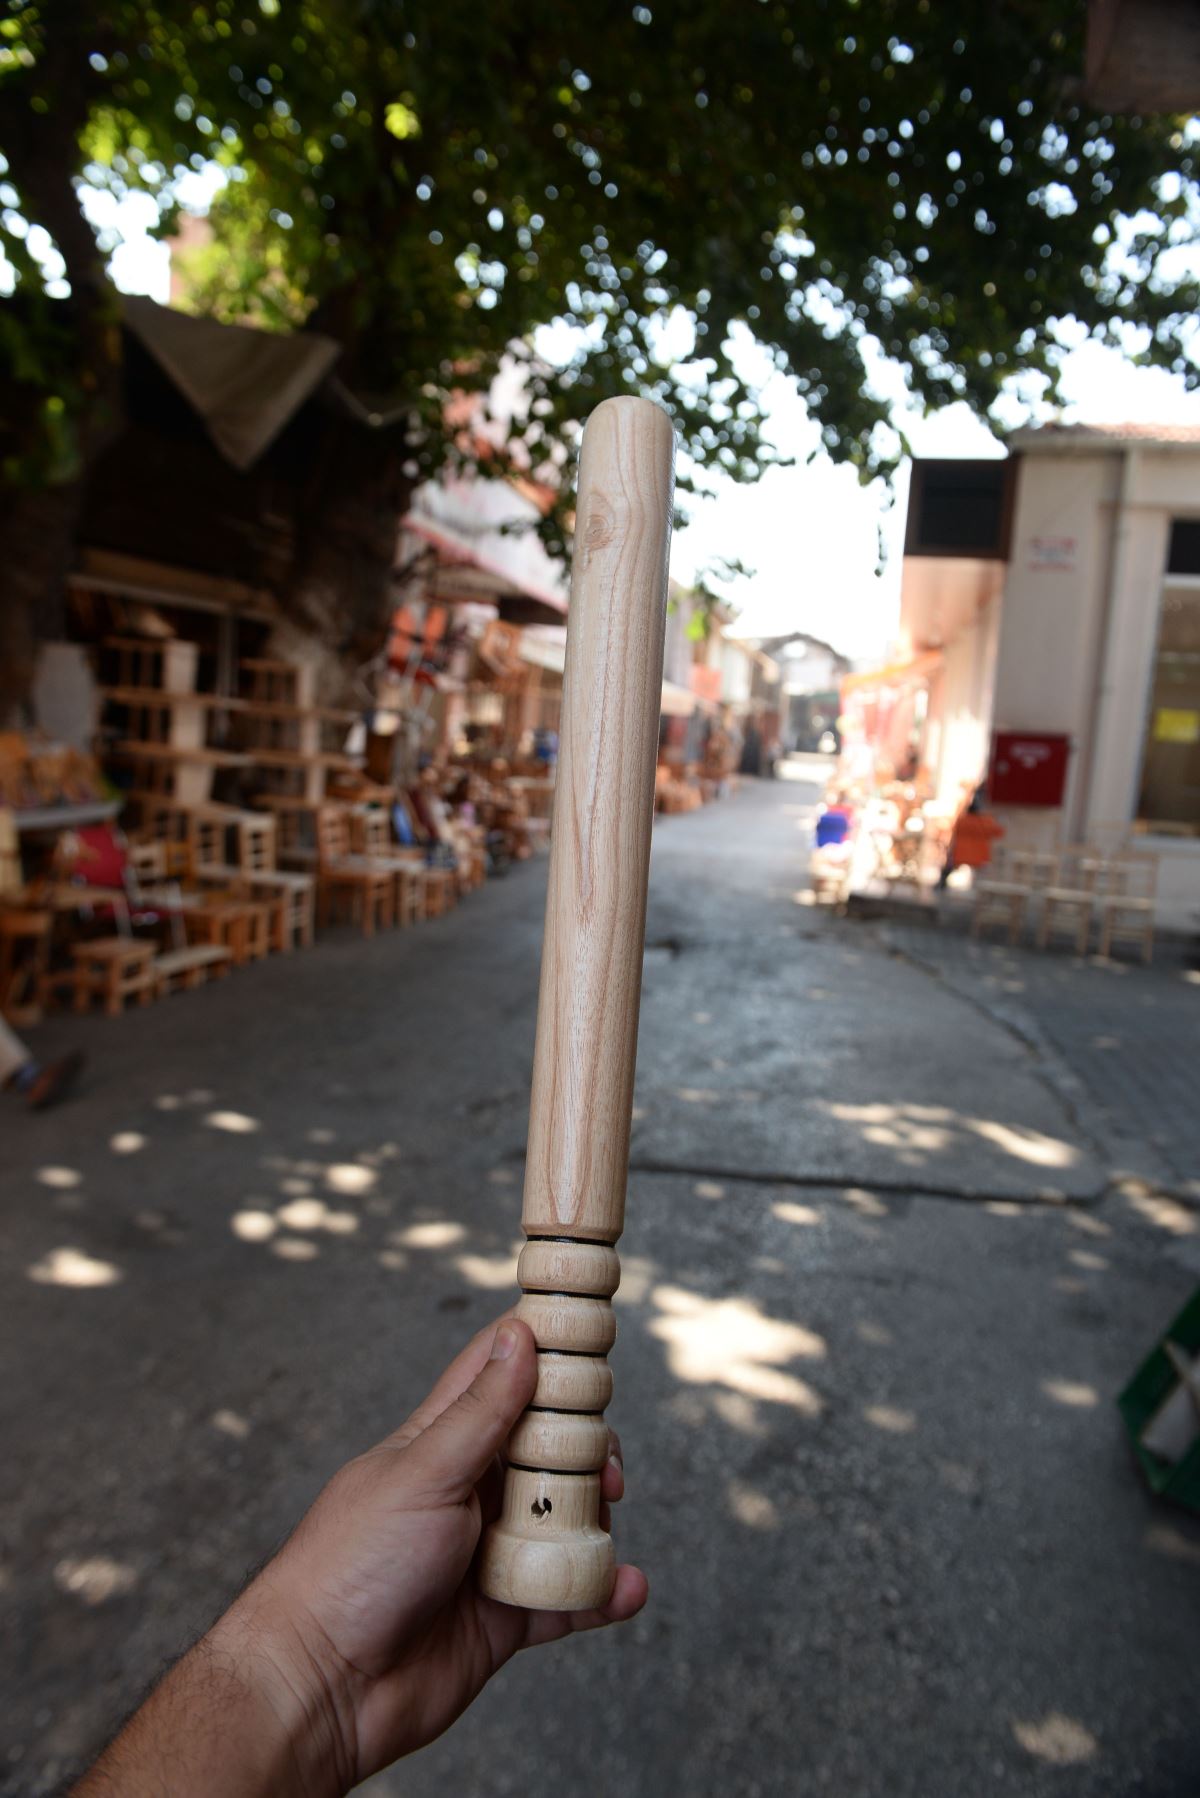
x=1154, y=1380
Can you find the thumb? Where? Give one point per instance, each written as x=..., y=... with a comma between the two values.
x=451, y=1455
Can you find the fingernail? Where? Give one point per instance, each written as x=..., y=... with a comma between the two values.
x=615, y=1461
x=503, y=1344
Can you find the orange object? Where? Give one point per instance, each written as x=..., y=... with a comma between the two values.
x=974, y=834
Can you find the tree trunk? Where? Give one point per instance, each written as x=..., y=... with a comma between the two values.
x=39, y=535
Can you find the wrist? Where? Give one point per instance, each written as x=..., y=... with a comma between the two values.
x=307, y=1723
x=233, y=1716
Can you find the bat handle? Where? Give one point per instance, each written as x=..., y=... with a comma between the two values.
x=547, y=1550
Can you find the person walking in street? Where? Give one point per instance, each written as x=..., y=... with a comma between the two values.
x=39, y=1083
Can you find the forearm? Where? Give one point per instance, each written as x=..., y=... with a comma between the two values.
x=228, y=1718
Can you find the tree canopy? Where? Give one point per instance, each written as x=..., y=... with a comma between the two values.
x=429, y=181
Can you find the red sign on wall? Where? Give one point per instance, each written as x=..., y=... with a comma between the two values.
x=1028, y=768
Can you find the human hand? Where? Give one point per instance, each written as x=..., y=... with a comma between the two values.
x=368, y=1628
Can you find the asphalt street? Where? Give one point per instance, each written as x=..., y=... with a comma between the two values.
x=893, y=1245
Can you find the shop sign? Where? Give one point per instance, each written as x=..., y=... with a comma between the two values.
x=1053, y=555
x=1173, y=725
x=1028, y=768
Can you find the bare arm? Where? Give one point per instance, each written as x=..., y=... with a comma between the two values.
x=366, y=1636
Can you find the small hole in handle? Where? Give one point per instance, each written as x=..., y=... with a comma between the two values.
x=541, y=1507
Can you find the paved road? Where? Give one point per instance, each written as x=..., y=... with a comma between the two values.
x=864, y=1376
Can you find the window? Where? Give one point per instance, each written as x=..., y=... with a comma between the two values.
x=960, y=508
x=1169, y=799
x=1184, y=554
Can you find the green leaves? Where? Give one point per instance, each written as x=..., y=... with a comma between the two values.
x=431, y=183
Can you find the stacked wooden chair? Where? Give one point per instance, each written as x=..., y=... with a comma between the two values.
x=366, y=883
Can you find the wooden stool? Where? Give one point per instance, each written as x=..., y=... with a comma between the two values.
x=220, y=922
x=24, y=961
x=190, y=967
x=441, y=890
x=114, y=967
x=258, y=929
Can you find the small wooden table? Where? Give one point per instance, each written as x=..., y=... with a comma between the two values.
x=115, y=968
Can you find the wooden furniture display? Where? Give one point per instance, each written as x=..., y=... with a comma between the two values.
x=548, y=1550
x=166, y=720
x=370, y=836
x=1068, y=901
x=113, y=969
x=24, y=962
x=1005, y=892
x=367, y=884
x=290, y=895
x=286, y=734
x=228, y=921
x=1126, y=901
x=190, y=967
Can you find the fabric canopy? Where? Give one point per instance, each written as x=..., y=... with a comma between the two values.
x=245, y=384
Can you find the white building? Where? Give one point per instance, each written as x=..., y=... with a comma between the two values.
x=1050, y=640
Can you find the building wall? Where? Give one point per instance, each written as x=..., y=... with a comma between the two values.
x=1080, y=625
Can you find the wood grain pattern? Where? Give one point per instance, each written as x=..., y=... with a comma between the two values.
x=547, y=1550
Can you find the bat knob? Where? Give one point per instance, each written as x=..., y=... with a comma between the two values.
x=546, y=1551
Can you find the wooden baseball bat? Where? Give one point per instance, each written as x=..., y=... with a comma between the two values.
x=547, y=1550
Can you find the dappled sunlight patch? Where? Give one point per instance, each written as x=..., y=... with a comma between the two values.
x=1087, y=1224
x=253, y=1226
x=233, y=1123
x=636, y=1274
x=315, y=1214
x=865, y=1203
x=350, y=1178
x=914, y=1131
x=127, y=1142
x=231, y=1423
x=959, y=1477
x=295, y=1187
x=728, y=1342
x=168, y=1102
x=1077, y=1395
x=1096, y=1264
x=1070, y=1284
x=494, y=1273
x=751, y=1507
x=501, y=1176
x=739, y=1412
x=321, y=1136
x=1024, y=1144
x=709, y=1189
x=789, y=1213
x=1164, y=1214
x=72, y=1267
x=698, y=1095
x=395, y=1260
x=1058, y=1740
x=892, y=1418
x=876, y=1335
x=94, y=1578
x=61, y=1179
x=294, y=1248
x=1003, y=1208
x=439, y=1234
x=1167, y=1539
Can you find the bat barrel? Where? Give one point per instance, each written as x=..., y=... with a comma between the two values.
x=547, y=1551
